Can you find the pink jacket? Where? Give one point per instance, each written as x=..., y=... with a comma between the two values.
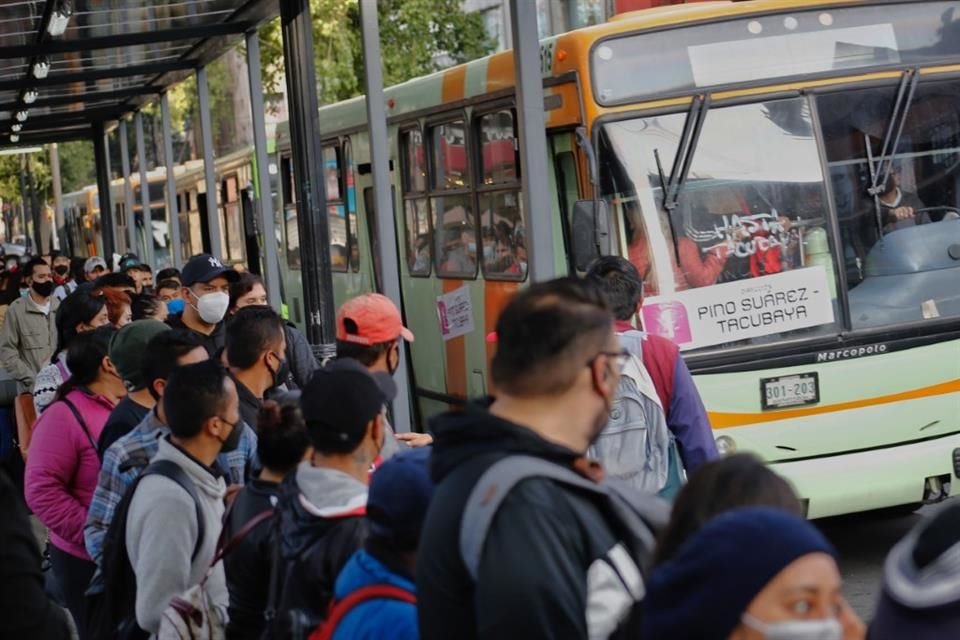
x=62, y=468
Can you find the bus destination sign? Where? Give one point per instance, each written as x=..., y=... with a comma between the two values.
x=741, y=310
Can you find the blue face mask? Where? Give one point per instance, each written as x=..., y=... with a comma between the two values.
x=24, y=292
x=175, y=306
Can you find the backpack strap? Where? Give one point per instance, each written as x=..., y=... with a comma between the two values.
x=171, y=470
x=343, y=607
x=496, y=482
x=224, y=548
x=83, y=425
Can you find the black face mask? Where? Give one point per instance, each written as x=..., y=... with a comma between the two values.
x=232, y=441
x=61, y=269
x=281, y=374
x=43, y=289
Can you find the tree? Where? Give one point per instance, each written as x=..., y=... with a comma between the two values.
x=417, y=37
x=77, y=166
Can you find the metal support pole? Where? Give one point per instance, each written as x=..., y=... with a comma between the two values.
x=101, y=154
x=271, y=262
x=34, y=209
x=383, y=201
x=308, y=175
x=23, y=196
x=209, y=172
x=533, y=139
x=148, y=256
x=127, y=188
x=58, y=223
x=173, y=215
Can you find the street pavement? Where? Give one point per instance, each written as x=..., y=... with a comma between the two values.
x=863, y=541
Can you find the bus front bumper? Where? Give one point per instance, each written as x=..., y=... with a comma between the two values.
x=848, y=483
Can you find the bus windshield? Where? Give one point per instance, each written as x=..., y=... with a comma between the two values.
x=747, y=255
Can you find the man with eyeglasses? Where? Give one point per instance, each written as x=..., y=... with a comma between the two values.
x=558, y=541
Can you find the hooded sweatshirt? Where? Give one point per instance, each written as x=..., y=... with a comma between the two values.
x=547, y=570
x=919, y=604
x=321, y=525
x=162, y=532
x=377, y=619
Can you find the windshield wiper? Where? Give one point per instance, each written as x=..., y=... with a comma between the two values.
x=672, y=187
x=881, y=168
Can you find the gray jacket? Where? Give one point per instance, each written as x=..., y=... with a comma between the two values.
x=27, y=340
x=162, y=533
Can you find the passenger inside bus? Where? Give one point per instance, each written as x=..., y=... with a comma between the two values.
x=901, y=209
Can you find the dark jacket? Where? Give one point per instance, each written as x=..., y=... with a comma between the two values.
x=26, y=610
x=320, y=525
x=300, y=358
x=545, y=538
x=213, y=343
x=248, y=566
x=249, y=404
x=919, y=604
x=124, y=417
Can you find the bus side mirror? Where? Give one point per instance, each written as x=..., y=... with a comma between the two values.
x=591, y=232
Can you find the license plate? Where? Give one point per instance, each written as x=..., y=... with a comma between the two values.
x=789, y=391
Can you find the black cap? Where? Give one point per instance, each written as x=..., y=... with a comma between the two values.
x=339, y=402
x=204, y=268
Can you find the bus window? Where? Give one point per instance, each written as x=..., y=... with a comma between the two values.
x=504, y=236
x=291, y=232
x=337, y=222
x=413, y=176
x=232, y=229
x=501, y=213
x=336, y=209
x=732, y=262
x=896, y=246
x=449, y=155
x=331, y=172
x=351, y=193
x=373, y=232
x=455, y=240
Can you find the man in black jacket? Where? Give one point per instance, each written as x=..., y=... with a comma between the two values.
x=554, y=563
x=323, y=502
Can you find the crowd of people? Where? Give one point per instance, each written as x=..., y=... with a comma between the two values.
x=197, y=473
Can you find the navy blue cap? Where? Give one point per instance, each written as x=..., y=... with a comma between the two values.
x=204, y=267
x=399, y=496
x=704, y=589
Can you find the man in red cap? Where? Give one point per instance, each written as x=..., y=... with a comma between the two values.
x=369, y=329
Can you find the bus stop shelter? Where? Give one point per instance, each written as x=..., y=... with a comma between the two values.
x=77, y=69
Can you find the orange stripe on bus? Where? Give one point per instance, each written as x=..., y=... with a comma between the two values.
x=727, y=420
x=456, y=350
x=500, y=72
x=454, y=84
x=495, y=298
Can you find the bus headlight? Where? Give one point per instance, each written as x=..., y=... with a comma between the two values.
x=726, y=445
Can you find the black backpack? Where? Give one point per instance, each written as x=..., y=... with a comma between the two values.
x=112, y=601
